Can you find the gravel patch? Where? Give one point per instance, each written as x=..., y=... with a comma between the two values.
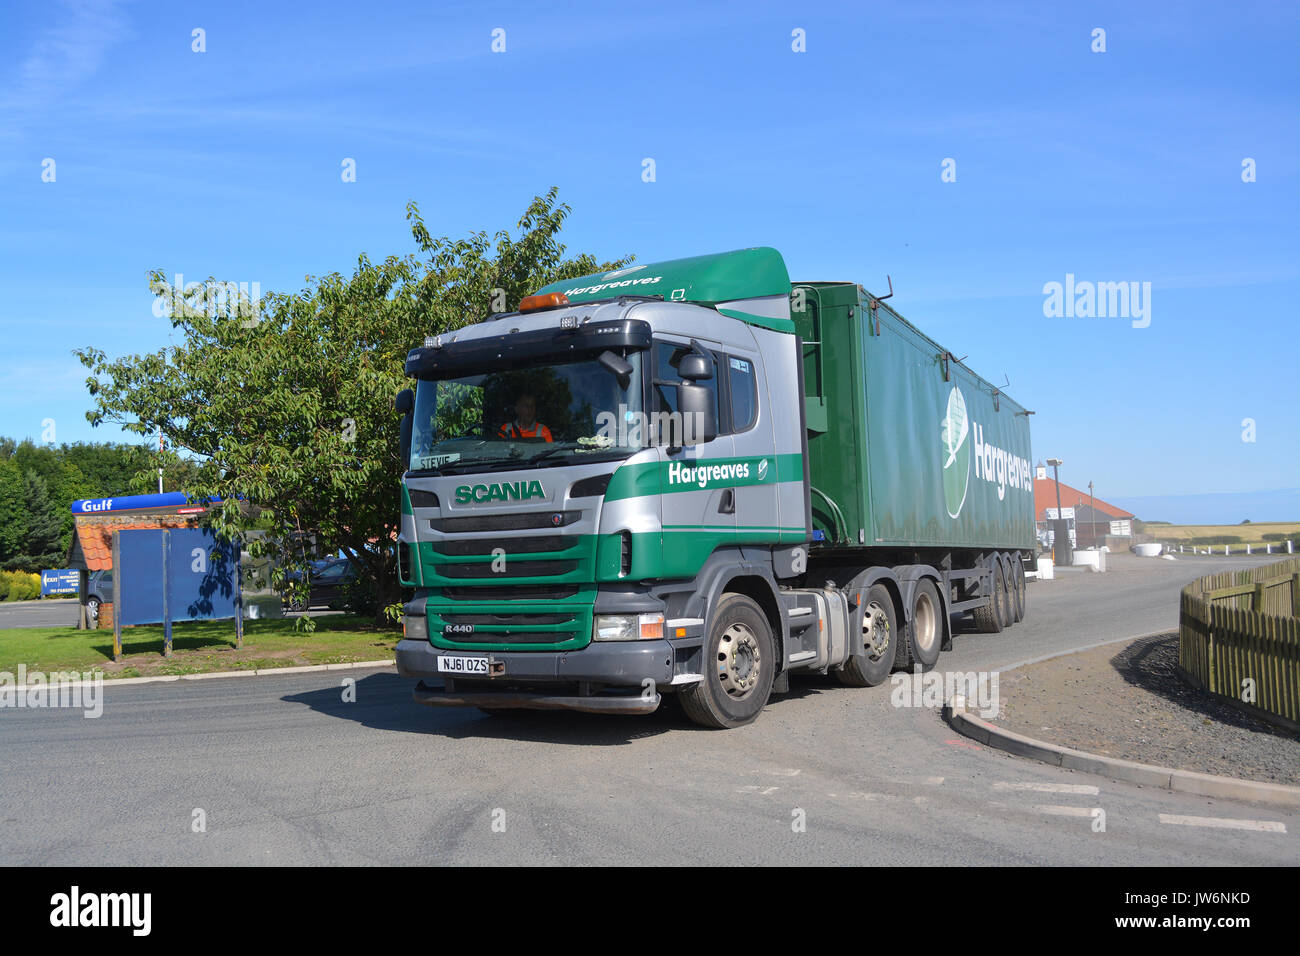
x=1133, y=705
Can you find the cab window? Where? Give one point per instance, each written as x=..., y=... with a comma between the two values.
x=742, y=383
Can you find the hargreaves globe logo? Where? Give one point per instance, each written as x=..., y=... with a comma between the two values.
x=954, y=433
x=762, y=469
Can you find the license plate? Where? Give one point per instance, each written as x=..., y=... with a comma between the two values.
x=463, y=665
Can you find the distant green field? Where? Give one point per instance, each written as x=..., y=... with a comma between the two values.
x=1257, y=536
x=198, y=647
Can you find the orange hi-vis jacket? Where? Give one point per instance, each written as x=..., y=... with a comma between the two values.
x=513, y=430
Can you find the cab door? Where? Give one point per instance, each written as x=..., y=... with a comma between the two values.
x=745, y=390
x=698, y=504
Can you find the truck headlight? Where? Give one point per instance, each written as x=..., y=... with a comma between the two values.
x=415, y=627
x=628, y=627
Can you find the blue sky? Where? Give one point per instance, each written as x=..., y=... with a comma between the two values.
x=1117, y=166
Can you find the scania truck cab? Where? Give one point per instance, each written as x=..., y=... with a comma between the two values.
x=608, y=497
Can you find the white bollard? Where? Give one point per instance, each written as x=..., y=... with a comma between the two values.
x=1248, y=549
x=1268, y=549
x=1288, y=547
x=1046, y=572
x=1225, y=550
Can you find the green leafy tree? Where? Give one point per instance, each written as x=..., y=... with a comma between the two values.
x=44, y=528
x=13, y=510
x=292, y=409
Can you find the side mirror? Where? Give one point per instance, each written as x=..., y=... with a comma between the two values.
x=695, y=367
x=695, y=404
x=617, y=366
x=405, y=401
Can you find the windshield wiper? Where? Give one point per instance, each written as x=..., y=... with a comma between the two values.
x=475, y=462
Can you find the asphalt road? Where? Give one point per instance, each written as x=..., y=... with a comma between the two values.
x=286, y=772
x=50, y=612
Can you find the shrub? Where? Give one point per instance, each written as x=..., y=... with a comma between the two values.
x=19, y=586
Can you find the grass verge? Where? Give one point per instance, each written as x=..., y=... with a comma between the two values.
x=198, y=647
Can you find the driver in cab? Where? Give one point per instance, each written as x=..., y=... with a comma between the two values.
x=525, y=424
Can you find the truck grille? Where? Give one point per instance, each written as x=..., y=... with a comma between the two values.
x=538, y=625
x=511, y=522
x=522, y=569
x=480, y=546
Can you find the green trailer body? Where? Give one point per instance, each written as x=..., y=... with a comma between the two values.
x=908, y=448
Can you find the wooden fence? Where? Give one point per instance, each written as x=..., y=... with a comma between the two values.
x=1243, y=626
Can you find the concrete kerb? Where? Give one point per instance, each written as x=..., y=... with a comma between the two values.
x=260, y=672
x=1147, y=775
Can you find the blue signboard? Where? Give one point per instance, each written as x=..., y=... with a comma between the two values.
x=89, y=506
x=175, y=574
x=59, y=582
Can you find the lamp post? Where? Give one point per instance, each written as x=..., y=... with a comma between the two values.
x=1092, y=516
x=1056, y=463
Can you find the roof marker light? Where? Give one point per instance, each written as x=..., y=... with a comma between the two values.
x=538, y=303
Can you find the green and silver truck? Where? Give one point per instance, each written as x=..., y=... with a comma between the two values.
x=697, y=478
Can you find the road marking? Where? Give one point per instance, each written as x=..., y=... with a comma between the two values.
x=1067, y=811
x=1051, y=809
x=962, y=743
x=764, y=791
x=782, y=771
x=918, y=781
x=1080, y=788
x=1226, y=823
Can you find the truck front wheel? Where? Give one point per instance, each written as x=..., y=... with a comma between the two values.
x=739, y=667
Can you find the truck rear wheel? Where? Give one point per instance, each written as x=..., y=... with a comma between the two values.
x=989, y=617
x=926, y=639
x=1008, y=591
x=878, y=632
x=739, y=667
x=1018, y=585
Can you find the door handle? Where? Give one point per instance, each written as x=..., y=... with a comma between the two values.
x=727, y=505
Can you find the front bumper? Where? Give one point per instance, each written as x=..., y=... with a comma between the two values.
x=523, y=700
x=627, y=663
x=619, y=671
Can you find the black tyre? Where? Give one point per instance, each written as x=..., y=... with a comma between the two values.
x=925, y=638
x=876, y=626
x=1018, y=584
x=1008, y=591
x=989, y=617
x=739, y=666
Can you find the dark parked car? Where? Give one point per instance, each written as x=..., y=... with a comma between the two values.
x=99, y=590
x=333, y=583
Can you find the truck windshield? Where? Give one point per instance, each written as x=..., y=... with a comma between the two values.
x=523, y=417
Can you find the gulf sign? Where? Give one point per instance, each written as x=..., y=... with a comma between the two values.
x=170, y=499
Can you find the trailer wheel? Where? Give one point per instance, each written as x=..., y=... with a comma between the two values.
x=879, y=635
x=989, y=617
x=926, y=639
x=740, y=665
x=1008, y=591
x=1018, y=584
